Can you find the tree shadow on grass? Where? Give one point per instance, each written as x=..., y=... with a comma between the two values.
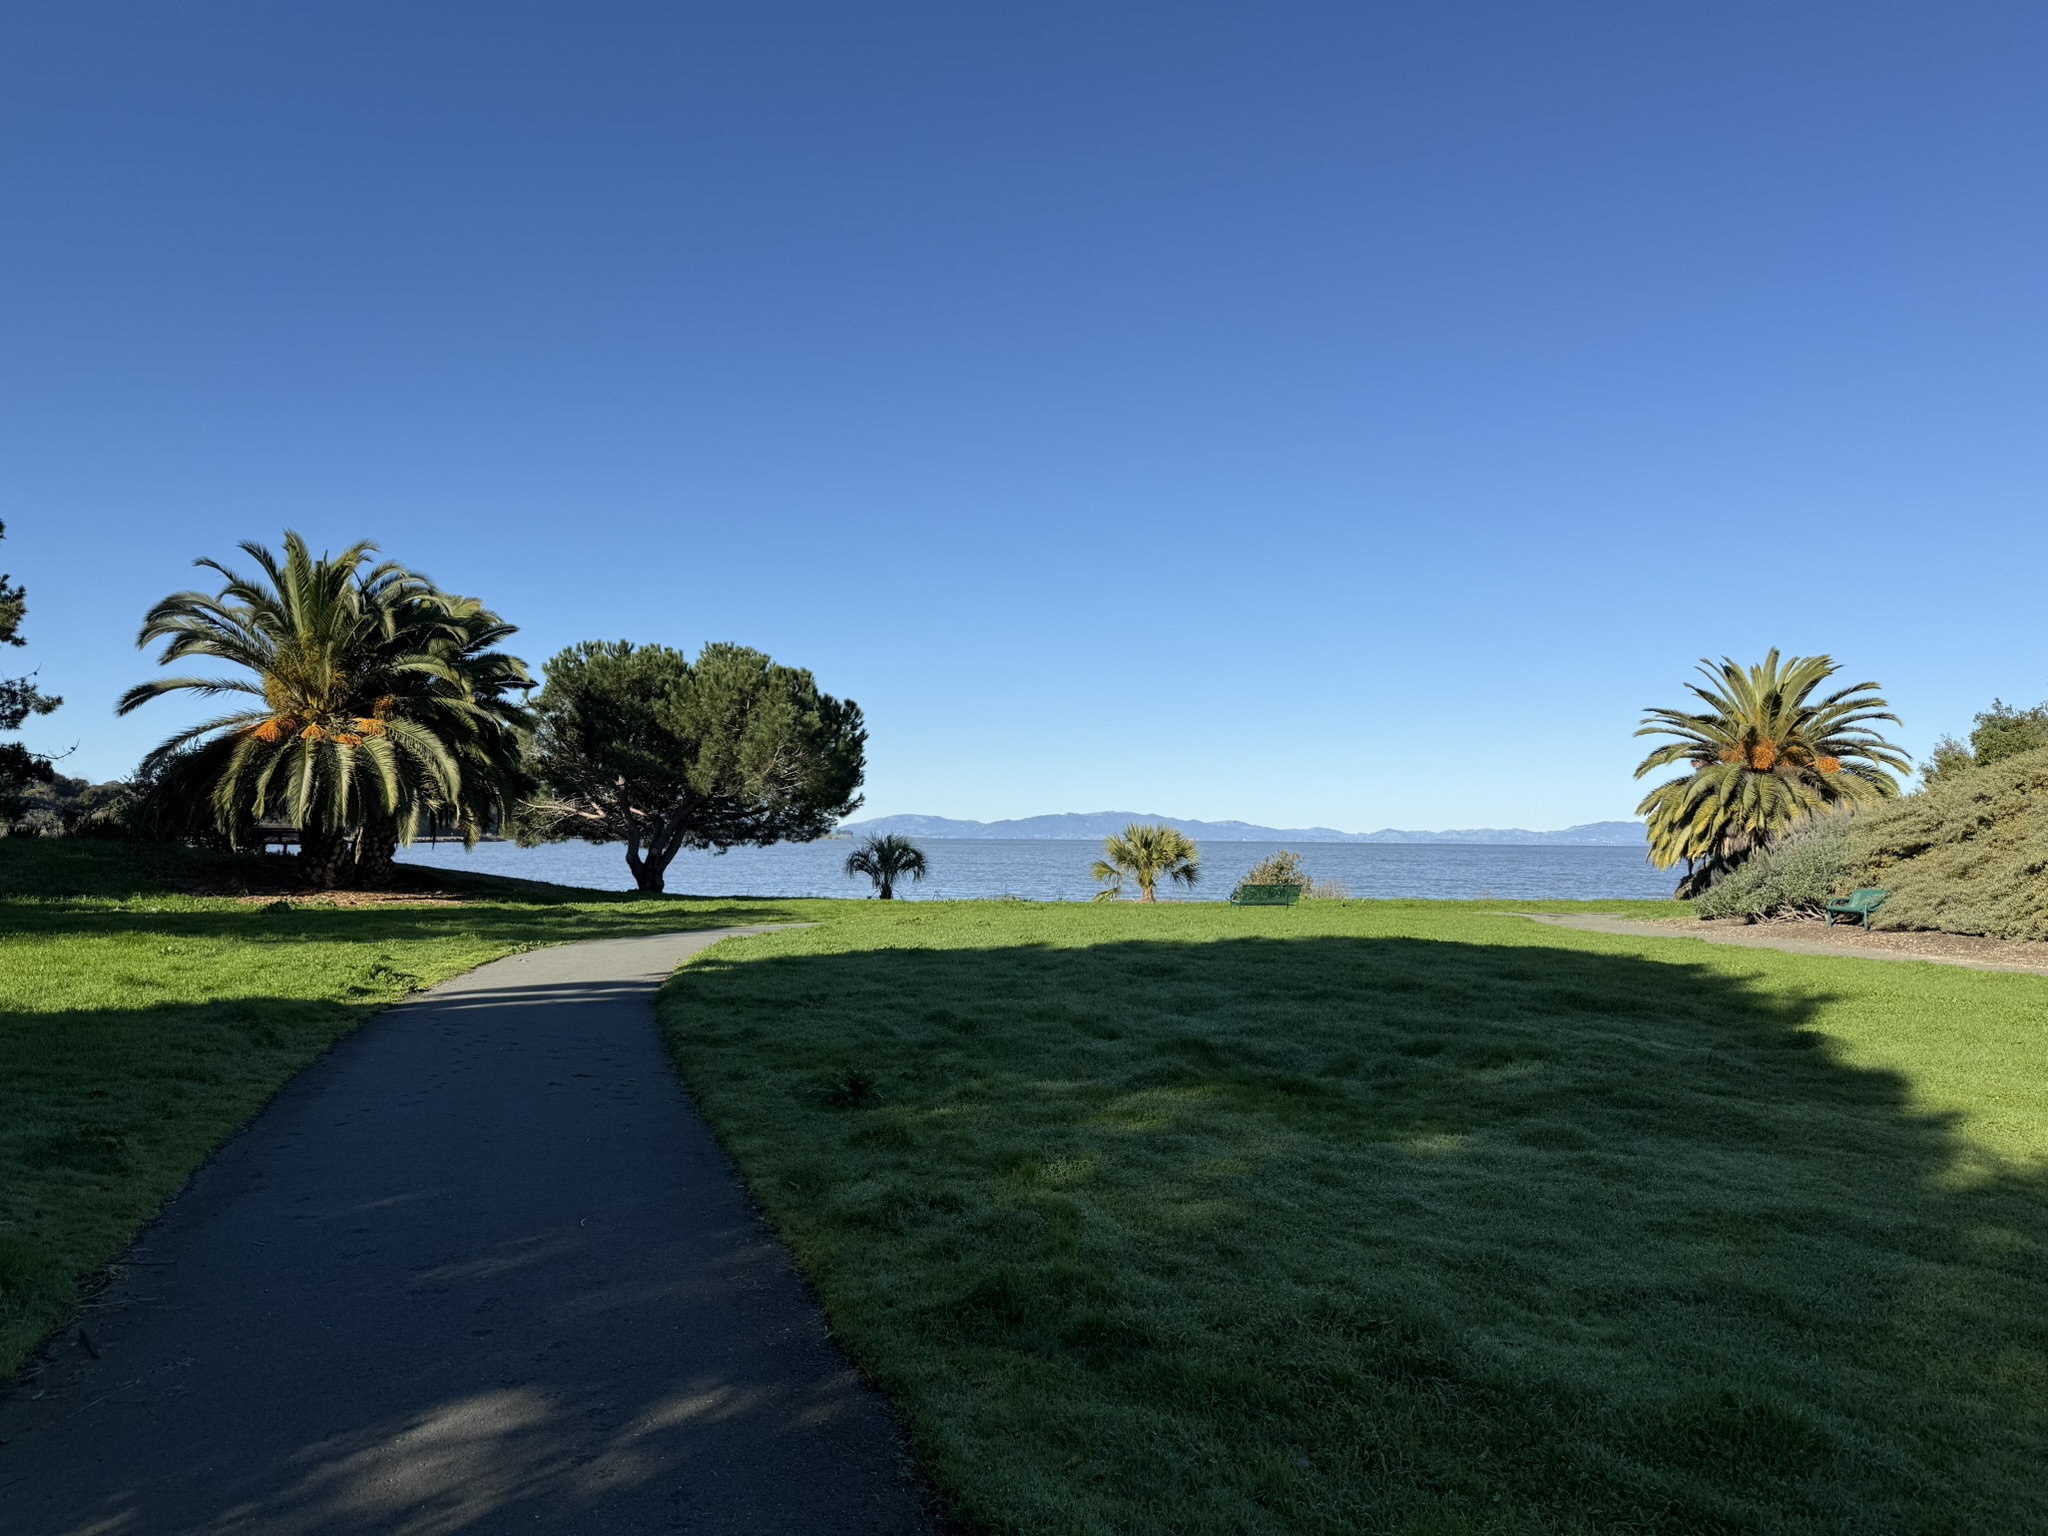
x=1342, y=1233
x=303, y=920
x=37, y=871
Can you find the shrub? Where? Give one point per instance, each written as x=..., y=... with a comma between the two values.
x=1794, y=876
x=1284, y=868
x=1968, y=854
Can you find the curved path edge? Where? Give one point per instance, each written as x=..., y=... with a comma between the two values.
x=483, y=1267
x=1750, y=939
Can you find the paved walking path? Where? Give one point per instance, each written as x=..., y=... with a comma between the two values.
x=1764, y=938
x=483, y=1268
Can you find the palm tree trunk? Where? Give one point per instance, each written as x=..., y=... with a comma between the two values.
x=376, y=854
x=888, y=887
x=323, y=858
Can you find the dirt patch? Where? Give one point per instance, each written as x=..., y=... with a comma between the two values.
x=299, y=896
x=263, y=879
x=1815, y=939
x=1889, y=941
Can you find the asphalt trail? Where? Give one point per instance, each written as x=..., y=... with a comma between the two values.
x=483, y=1268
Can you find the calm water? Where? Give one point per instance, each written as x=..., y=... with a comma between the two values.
x=1045, y=870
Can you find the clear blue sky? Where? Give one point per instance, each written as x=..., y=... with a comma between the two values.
x=1342, y=414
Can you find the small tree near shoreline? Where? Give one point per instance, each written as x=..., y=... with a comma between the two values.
x=885, y=860
x=1146, y=854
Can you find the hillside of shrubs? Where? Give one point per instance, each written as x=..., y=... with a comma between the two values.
x=1966, y=854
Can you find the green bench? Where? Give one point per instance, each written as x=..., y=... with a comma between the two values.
x=1265, y=896
x=1857, y=905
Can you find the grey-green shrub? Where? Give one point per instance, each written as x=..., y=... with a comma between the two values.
x=1282, y=868
x=1968, y=854
x=1795, y=875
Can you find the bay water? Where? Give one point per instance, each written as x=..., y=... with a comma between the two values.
x=1057, y=870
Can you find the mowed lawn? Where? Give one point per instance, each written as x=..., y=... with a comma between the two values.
x=138, y=1030
x=1404, y=1216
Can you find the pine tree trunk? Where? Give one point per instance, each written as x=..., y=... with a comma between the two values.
x=647, y=869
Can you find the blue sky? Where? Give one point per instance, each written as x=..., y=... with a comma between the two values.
x=1332, y=414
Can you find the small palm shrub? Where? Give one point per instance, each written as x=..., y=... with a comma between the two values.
x=1793, y=877
x=885, y=860
x=1144, y=855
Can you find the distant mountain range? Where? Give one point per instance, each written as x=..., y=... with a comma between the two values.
x=1095, y=824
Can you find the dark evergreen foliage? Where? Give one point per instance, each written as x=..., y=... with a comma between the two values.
x=2001, y=732
x=19, y=698
x=636, y=744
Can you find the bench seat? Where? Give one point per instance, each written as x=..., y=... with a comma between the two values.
x=1265, y=896
x=1857, y=906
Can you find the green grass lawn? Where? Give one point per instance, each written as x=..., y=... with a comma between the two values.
x=1380, y=1216
x=138, y=1030
x=1404, y=1216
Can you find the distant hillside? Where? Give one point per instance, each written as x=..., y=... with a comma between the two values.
x=1096, y=824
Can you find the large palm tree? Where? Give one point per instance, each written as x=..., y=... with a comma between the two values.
x=378, y=703
x=885, y=860
x=1762, y=754
x=1145, y=855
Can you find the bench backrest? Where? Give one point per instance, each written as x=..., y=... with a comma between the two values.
x=1868, y=896
x=1268, y=895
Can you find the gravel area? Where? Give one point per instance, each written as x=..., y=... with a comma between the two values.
x=1796, y=938
x=1892, y=941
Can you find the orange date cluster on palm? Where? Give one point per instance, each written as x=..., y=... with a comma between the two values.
x=344, y=730
x=1764, y=754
